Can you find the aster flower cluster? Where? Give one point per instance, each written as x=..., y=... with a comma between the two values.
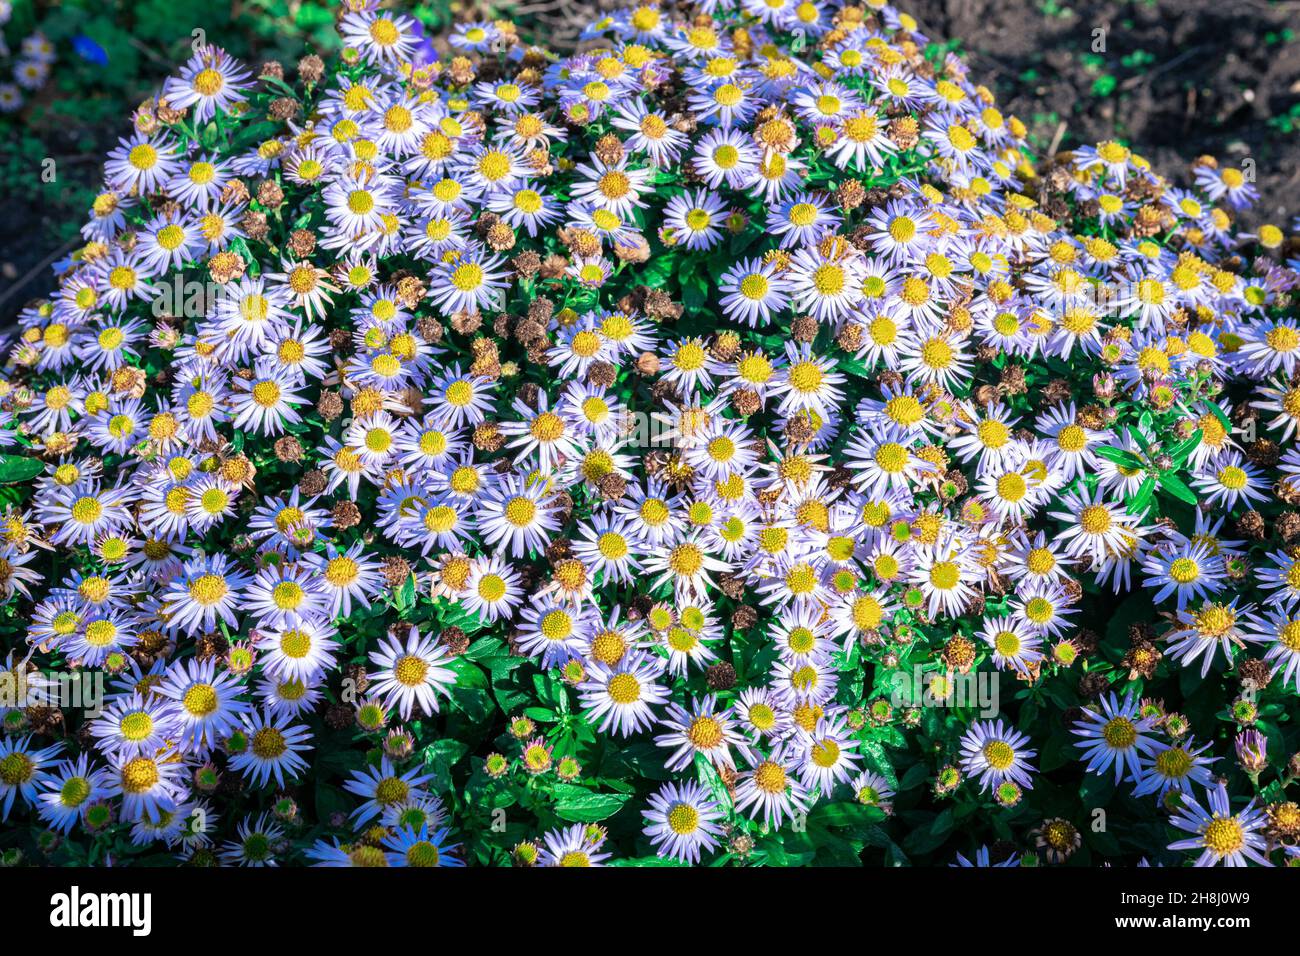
x=643, y=453
x=25, y=70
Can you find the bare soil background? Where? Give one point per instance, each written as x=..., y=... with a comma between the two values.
x=1178, y=78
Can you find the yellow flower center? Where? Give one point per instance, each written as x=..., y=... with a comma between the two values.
x=143, y=157
x=624, y=689
x=1119, y=733
x=200, y=700
x=945, y=575
x=1224, y=836
x=556, y=625
x=1232, y=478
x=1184, y=570
x=999, y=755
x=1095, y=519
x=770, y=777
x=521, y=511
x=828, y=279
x=1072, y=438
x=410, y=671
x=384, y=32
x=139, y=775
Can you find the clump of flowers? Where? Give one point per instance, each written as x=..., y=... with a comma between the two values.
x=23, y=71
x=725, y=443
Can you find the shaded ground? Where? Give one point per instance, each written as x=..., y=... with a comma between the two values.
x=1177, y=78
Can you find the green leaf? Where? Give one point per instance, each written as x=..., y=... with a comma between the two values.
x=440, y=757
x=855, y=816
x=15, y=468
x=404, y=598
x=710, y=777
x=1119, y=456
x=309, y=16
x=1104, y=85
x=1142, y=500
x=580, y=805
x=509, y=695
x=1180, y=452
x=1139, y=436
x=1178, y=488
x=484, y=649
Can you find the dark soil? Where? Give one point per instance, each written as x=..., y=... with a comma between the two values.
x=41, y=220
x=1177, y=79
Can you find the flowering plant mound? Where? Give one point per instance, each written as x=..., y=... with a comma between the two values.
x=724, y=444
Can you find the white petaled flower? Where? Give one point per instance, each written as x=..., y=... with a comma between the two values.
x=753, y=292
x=411, y=846
x=207, y=589
x=995, y=753
x=988, y=437
x=1013, y=643
x=251, y=314
x=148, y=786
x=70, y=789
x=827, y=755
x=517, y=515
x=554, y=632
x=473, y=281
x=825, y=287
x=381, y=37
x=84, y=510
x=1281, y=631
x=622, y=698
x=347, y=576
x=702, y=729
x=1215, y=626
x=135, y=724
x=862, y=141
x=265, y=403
x=873, y=790
x=142, y=163
x=301, y=652
x=808, y=382
x=1044, y=607
x=209, y=705
x=1230, y=481
x=682, y=820
x=493, y=590
x=1187, y=571
x=802, y=219
x=687, y=565
x=256, y=844
x=412, y=673
x=945, y=574
x=540, y=432
x=212, y=80
x=287, y=595
x=573, y=846
x=275, y=748
x=1095, y=526
x=1223, y=837
x=1115, y=735
x=460, y=398
x=770, y=789
x=695, y=219
x=383, y=788
x=26, y=770
x=1175, y=766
